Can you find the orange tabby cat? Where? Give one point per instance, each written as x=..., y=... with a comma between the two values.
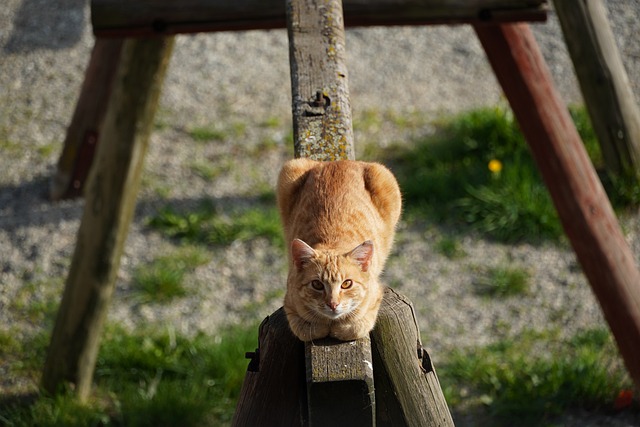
x=339, y=219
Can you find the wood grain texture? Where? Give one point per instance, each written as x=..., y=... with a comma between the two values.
x=109, y=207
x=340, y=388
x=582, y=204
x=408, y=392
x=274, y=390
x=86, y=124
x=118, y=18
x=322, y=128
x=604, y=83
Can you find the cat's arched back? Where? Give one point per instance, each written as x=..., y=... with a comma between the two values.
x=338, y=205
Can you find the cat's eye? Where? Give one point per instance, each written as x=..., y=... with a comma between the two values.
x=317, y=285
x=347, y=284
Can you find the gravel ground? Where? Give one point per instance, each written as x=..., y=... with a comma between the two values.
x=238, y=81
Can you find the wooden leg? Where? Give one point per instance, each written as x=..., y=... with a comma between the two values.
x=84, y=131
x=110, y=203
x=322, y=128
x=273, y=392
x=582, y=204
x=604, y=83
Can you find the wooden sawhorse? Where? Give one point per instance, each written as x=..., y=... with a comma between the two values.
x=321, y=130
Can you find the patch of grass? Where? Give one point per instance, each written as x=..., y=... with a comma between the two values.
x=163, y=279
x=23, y=355
x=447, y=177
x=504, y=281
x=271, y=122
x=47, y=149
x=208, y=133
x=37, y=300
x=477, y=170
x=218, y=132
x=533, y=377
x=450, y=248
x=368, y=120
x=208, y=170
x=152, y=378
x=206, y=226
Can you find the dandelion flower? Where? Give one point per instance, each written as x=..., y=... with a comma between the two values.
x=495, y=166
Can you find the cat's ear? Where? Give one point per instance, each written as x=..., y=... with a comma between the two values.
x=301, y=253
x=362, y=254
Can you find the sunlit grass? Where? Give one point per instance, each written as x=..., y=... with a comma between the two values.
x=535, y=376
x=476, y=170
x=205, y=225
x=149, y=378
x=164, y=279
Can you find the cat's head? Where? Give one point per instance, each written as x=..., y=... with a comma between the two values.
x=330, y=285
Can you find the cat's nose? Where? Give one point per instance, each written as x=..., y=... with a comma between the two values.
x=333, y=305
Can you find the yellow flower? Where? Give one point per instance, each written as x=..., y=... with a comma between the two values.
x=495, y=166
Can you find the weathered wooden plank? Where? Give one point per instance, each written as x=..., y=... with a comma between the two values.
x=274, y=388
x=83, y=133
x=340, y=383
x=604, y=83
x=408, y=391
x=144, y=17
x=322, y=128
x=582, y=204
x=109, y=207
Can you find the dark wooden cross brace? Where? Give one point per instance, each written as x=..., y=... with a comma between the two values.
x=404, y=378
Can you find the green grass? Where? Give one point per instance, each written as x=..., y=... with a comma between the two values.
x=503, y=281
x=163, y=279
x=447, y=177
x=533, y=377
x=150, y=378
x=208, y=133
x=206, y=225
x=160, y=378
x=208, y=170
x=450, y=248
x=218, y=133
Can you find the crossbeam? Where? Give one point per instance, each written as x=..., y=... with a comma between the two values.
x=118, y=18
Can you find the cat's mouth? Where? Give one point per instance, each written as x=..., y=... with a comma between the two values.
x=333, y=314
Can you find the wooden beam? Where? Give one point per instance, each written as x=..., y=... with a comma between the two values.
x=117, y=18
x=83, y=133
x=582, y=204
x=408, y=391
x=109, y=207
x=339, y=374
x=322, y=128
x=273, y=392
x=340, y=383
x=604, y=83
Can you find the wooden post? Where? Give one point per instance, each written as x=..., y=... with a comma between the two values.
x=83, y=133
x=340, y=388
x=273, y=393
x=582, y=204
x=408, y=391
x=110, y=203
x=339, y=375
x=322, y=128
x=604, y=83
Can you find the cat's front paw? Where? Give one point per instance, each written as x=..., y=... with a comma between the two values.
x=306, y=331
x=349, y=331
